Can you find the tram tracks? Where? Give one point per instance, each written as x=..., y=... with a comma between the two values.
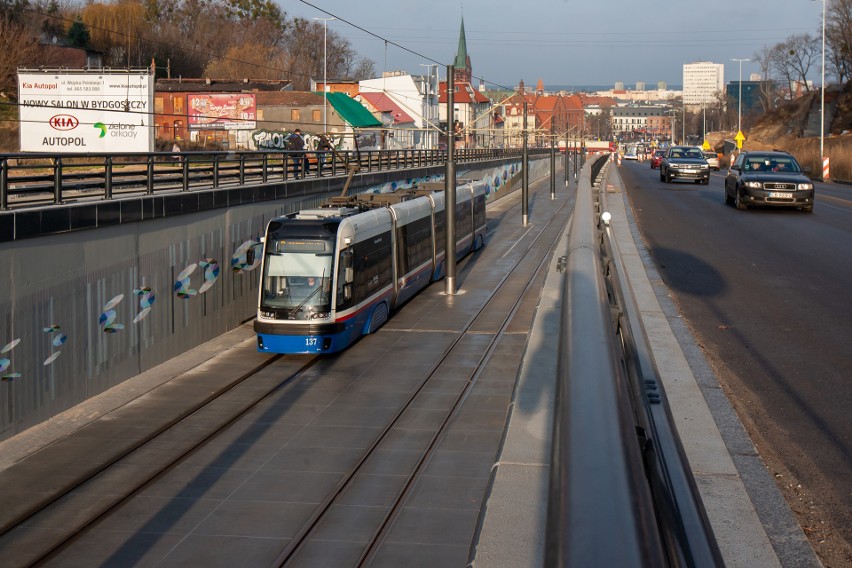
x=76, y=512
x=74, y=502
x=369, y=551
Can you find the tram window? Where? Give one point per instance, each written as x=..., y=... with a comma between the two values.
x=403, y=252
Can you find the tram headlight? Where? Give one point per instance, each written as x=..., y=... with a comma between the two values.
x=319, y=315
x=267, y=314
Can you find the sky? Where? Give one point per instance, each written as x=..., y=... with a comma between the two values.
x=566, y=42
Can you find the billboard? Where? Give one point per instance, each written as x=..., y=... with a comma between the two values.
x=76, y=112
x=221, y=111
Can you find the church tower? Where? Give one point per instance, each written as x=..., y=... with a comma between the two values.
x=461, y=65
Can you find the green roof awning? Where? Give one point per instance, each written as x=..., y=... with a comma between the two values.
x=352, y=111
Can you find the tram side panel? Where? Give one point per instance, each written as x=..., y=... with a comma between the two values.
x=368, y=264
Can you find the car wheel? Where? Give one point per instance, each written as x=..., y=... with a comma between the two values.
x=738, y=202
x=698, y=181
x=808, y=209
x=668, y=177
x=705, y=181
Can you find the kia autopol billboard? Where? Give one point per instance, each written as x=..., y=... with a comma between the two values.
x=79, y=112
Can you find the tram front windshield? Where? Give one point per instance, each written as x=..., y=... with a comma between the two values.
x=297, y=277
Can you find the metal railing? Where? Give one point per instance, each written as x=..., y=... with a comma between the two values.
x=39, y=179
x=622, y=493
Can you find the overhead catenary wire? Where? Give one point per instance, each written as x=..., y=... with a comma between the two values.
x=388, y=42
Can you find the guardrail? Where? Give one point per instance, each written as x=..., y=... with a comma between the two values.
x=622, y=493
x=38, y=179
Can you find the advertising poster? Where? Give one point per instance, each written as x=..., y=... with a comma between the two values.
x=79, y=112
x=221, y=111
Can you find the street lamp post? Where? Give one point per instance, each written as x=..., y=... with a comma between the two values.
x=822, y=95
x=427, y=110
x=324, y=72
x=740, y=97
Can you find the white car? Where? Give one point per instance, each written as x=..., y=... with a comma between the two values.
x=712, y=159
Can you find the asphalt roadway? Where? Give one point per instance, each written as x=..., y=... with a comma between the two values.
x=766, y=294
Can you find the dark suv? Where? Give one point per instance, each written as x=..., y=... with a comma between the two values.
x=768, y=178
x=685, y=162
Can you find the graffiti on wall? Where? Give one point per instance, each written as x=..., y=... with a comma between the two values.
x=246, y=258
x=277, y=140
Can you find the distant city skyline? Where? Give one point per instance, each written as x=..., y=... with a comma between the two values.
x=563, y=42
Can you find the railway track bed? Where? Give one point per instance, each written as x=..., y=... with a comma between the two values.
x=380, y=455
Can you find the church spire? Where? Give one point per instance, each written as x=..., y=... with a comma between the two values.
x=463, y=72
x=461, y=54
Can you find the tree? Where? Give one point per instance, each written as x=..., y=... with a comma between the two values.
x=763, y=58
x=365, y=69
x=306, y=45
x=838, y=39
x=793, y=58
x=117, y=29
x=78, y=34
x=248, y=61
x=18, y=48
x=52, y=26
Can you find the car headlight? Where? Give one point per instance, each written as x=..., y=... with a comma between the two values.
x=705, y=166
x=804, y=186
x=754, y=184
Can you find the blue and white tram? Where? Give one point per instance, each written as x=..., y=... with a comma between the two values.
x=335, y=273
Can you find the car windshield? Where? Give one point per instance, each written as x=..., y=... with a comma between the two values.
x=693, y=154
x=710, y=155
x=784, y=164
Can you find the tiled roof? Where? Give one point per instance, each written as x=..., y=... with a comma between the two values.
x=383, y=103
x=463, y=94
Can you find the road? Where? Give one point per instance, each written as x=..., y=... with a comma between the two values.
x=766, y=293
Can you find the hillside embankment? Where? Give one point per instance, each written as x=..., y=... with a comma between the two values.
x=784, y=129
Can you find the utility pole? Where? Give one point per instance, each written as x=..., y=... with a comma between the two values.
x=740, y=97
x=552, y=159
x=525, y=187
x=325, y=72
x=450, y=188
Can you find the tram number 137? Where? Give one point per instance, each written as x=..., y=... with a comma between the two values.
x=311, y=341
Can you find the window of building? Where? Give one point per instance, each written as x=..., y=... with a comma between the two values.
x=177, y=105
x=295, y=114
x=316, y=115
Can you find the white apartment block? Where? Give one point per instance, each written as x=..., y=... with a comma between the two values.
x=702, y=81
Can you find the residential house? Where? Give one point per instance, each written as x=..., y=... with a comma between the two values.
x=361, y=130
x=472, y=118
x=210, y=112
x=398, y=128
x=416, y=96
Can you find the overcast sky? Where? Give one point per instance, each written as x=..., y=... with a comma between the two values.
x=568, y=42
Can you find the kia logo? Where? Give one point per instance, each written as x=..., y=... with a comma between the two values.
x=64, y=122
